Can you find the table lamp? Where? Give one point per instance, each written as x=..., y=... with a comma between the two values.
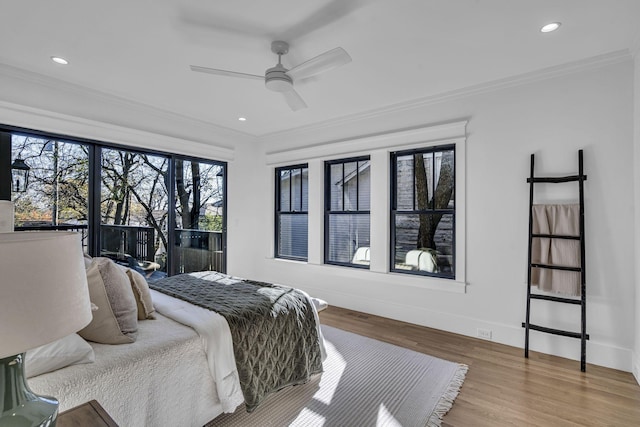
x=6, y=216
x=43, y=297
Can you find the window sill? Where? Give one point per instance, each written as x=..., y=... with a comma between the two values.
x=290, y=260
x=389, y=278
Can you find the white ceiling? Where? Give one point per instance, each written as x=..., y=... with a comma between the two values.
x=402, y=50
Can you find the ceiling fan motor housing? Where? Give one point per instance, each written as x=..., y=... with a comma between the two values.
x=276, y=79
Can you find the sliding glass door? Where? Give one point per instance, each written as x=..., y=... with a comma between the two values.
x=134, y=202
x=159, y=213
x=199, y=201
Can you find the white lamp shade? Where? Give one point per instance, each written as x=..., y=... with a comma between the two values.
x=6, y=216
x=43, y=289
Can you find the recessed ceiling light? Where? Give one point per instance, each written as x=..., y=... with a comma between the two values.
x=59, y=60
x=242, y=119
x=550, y=27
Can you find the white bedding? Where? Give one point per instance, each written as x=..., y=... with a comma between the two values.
x=216, y=339
x=156, y=381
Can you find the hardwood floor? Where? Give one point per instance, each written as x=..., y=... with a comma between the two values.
x=502, y=388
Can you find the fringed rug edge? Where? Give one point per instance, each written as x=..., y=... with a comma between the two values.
x=446, y=401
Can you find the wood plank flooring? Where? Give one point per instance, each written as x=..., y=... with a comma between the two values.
x=502, y=388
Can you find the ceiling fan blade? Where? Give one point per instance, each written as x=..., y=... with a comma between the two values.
x=321, y=63
x=323, y=16
x=209, y=22
x=215, y=22
x=225, y=73
x=294, y=100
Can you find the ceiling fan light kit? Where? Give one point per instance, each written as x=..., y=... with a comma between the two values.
x=279, y=79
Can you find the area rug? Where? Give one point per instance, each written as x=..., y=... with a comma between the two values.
x=365, y=383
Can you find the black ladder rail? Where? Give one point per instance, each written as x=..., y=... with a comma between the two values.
x=580, y=178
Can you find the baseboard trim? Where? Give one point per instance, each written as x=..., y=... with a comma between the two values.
x=636, y=366
x=598, y=353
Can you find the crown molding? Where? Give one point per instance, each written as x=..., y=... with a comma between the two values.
x=62, y=124
x=397, y=139
x=221, y=133
x=513, y=81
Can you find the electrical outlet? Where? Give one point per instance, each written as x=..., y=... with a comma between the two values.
x=485, y=334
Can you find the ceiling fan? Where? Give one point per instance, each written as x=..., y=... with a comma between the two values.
x=280, y=79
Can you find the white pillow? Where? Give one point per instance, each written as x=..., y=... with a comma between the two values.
x=70, y=350
x=319, y=303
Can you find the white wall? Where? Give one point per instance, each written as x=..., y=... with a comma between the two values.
x=242, y=214
x=636, y=161
x=552, y=115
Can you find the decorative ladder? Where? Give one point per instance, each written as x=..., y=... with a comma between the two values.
x=580, y=178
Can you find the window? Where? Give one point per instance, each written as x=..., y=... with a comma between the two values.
x=158, y=213
x=58, y=182
x=292, y=191
x=347, y=204
x=423, y=211
x=58, y=188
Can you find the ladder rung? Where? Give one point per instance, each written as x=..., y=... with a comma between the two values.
x=555, y=236
x=556, y=267
x=558, y=179
x=556, y=299
x=555, y=331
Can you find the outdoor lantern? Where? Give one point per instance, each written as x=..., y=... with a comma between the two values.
x=220, y=178
x=20, y=175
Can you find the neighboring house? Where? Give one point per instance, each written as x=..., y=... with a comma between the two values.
x=351, y=233
x=212, y=209
x=293, y=232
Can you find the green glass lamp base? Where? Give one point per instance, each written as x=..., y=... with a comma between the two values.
x=19, y=406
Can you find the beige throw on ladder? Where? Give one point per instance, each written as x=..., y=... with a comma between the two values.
x=556, y=220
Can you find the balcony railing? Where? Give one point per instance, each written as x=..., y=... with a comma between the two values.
x=81, y=228
x=195, y=250
x=198, y=250
x=135, y=241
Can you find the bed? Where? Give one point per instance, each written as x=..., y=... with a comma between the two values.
x=180, y=371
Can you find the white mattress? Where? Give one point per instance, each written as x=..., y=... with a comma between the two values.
x=156, y=381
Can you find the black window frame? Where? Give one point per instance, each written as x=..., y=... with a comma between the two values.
x=94, y=196
x=394, y=211
x=279, y=211
x=328, y=212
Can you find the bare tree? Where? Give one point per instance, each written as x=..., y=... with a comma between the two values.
x=440, y=200
x=134, y=186
x=189, y=213
x=136, y=192
x=118, y=168
x=58, y=183
x=194, y=190
x=151, y=194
